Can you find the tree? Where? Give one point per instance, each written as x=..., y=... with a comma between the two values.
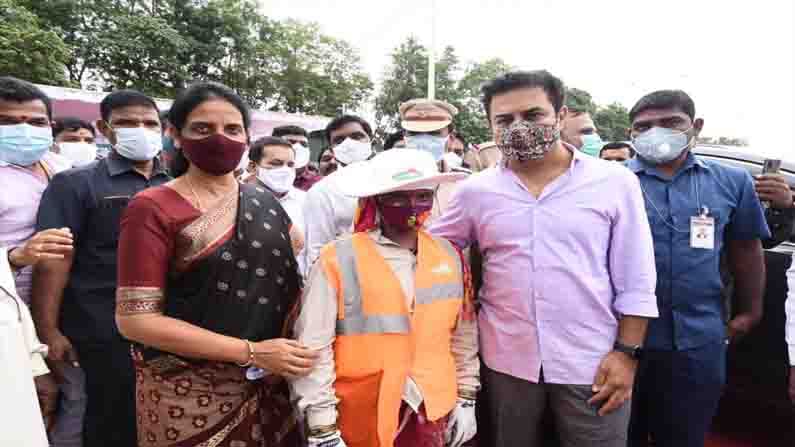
x=141, y=52
x=28, y=50
x=159, y=47
x=407, y=78
x=471, y=120
x=580, y=101
x=612, y=122
x=315, y=73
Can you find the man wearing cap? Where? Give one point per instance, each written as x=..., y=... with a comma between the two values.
x=328, y=212
x=389, y=309
x=426, y=125
x=483, y=156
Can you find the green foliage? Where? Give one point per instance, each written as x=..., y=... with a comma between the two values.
x=612, y=122
x=316, y=73
x=407, y=78
x=471, y=120
x=580, y=101
x=161, y=46
x=29, y=50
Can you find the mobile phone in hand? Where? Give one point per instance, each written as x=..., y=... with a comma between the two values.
x=771, y=166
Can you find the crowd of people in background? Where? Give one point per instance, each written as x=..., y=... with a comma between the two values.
x=202, y=286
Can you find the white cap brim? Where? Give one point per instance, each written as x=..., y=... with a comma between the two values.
x=359, y=180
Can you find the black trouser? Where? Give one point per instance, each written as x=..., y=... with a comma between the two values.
x=110, y=388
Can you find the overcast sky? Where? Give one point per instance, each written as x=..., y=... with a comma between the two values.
x=735, y=58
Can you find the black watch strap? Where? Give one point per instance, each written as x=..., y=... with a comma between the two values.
x=632, y=351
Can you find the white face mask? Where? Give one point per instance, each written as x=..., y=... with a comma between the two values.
x=138, y=143
x=351, y=151
x=80, y=154
x=302, y=155
x=244, y=161
x=452, y=160
x=278, y=180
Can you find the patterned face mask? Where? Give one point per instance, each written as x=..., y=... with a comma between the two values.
x=524, y=140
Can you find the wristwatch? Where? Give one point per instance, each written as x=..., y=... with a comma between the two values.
x=633, y=351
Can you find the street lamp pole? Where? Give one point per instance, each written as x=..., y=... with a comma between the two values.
x=432, y=55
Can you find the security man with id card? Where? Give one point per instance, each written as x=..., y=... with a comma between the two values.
x=696, y=209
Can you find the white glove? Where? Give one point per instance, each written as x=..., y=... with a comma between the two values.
x=333, y=439
x=462, y=425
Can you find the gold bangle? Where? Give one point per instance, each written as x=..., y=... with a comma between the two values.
x=467, y=394
x=317, y=432
x=250, y=356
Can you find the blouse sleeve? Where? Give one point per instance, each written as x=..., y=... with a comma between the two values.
x=145, y=244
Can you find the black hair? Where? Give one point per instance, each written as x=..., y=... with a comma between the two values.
x=164, y=118
x=190, y=98
x=282, y=131
x=613, y=145
x=459, y=137
x=257, y=150
x=71, y=124
x=665, y=99
x=342, y=120
x=124, y=98
x=552, y=86
x=392, y=140
x=17, y=90
x=323, y=151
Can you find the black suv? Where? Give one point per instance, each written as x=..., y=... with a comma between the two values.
x=755, y=409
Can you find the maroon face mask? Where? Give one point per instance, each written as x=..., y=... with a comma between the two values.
x=215, y=155
x=406, y=217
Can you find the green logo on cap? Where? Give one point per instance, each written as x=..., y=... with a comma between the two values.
x=410, y=174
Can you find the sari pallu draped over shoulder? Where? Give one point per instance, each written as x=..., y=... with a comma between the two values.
x=234, y=273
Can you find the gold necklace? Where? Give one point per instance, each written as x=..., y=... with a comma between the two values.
x=195, y=196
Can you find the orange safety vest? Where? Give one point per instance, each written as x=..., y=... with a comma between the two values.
x=380, y=343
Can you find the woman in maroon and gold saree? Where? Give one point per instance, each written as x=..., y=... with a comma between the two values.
x=207, y=278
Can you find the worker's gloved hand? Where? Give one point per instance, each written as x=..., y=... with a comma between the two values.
x=333, y=439
x=462, y=425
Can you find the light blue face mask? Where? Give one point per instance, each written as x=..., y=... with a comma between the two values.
x=592, y=144
x=432, y=144
x=660, y=145
x=23, y=144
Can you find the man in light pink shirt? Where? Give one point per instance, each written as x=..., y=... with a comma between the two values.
x=569, y=273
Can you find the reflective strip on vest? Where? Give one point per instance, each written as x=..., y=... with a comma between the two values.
x=355, y=322
x=374, y=324
x=440, y=292
x=351, y=292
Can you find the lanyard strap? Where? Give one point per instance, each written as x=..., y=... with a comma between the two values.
x=694, y=184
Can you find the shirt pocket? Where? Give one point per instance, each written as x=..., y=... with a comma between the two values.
x=107, y=219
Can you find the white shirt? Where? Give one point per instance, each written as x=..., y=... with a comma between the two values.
x=315, y=325
x=329, y=214
x=789, y=309
x=293, y=204
x=22, y=358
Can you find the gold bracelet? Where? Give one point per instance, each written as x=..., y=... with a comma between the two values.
x=467, y=394
x=250, y=356
x=318, y=432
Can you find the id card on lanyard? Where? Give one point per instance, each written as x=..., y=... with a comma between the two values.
x=702, y=231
